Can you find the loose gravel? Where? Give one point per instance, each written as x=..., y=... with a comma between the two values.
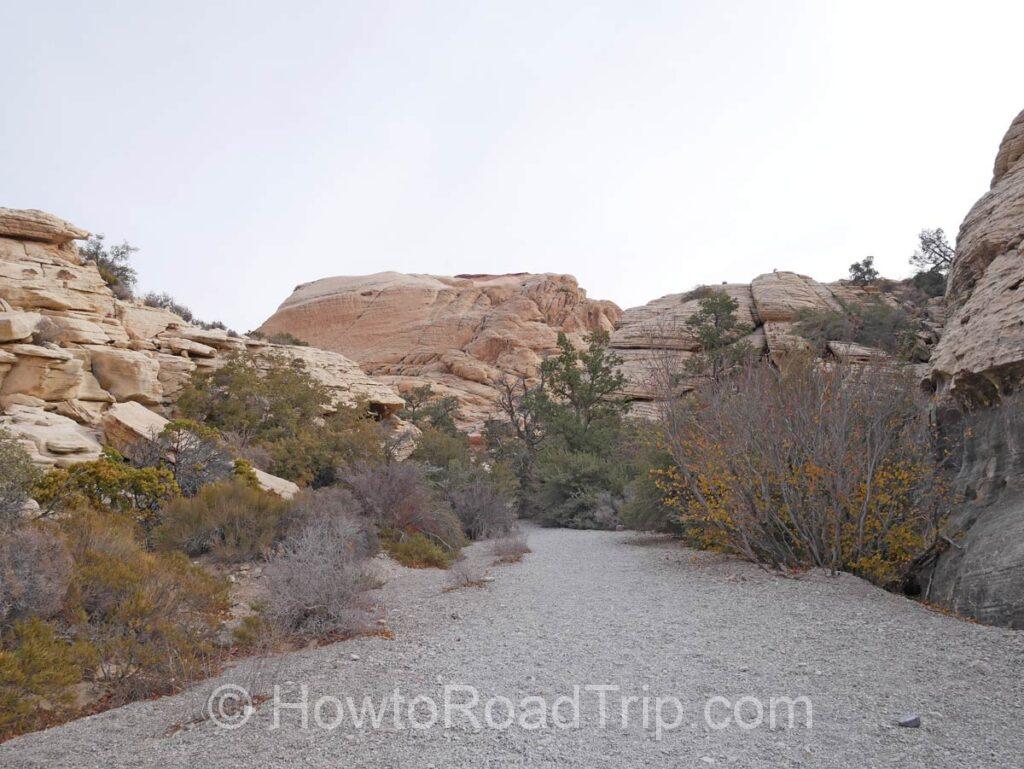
x=614, y=609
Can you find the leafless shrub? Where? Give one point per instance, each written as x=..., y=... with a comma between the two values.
x=464, y=573
x=192, y=452
x=483, y=510
x=312, y=505
x=320, y=575
x=47, y=331
x=397, y=496
x=35, y=570
x=809, y=465
x=510, y=548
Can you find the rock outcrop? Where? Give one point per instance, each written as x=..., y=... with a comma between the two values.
x=655, y=339
x=975, y=369
x=74, y=359
x=982, y=352
x=461, y=335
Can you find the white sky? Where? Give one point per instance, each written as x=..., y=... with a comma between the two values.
x=644, y=147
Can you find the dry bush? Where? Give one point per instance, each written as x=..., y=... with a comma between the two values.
x=481, y=508
x=232, y=521
x=510, y=548
x=319, y=576
x=190, y=451
x=464, y=573
x=35, y=570
x=807, y=465
x=398, y=497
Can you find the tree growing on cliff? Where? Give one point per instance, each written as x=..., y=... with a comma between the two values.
x=113, y=263
x=863, y=273
x=933, y=251
x=719, y=333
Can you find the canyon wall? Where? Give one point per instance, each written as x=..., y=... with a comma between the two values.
x=72, y=355
x=976, y=368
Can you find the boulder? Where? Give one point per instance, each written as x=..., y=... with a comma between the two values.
x=48, y=373
x=51, y=439
x=17, y=326
x=126, y=423
x=127, y=374
x=32, y=224
x=283, y=488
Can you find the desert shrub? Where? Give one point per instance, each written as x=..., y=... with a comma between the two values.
x=875, y=324
x=578, y=489
x=149, y=619
x=35, y=570
x=17, y=476
x=284, y=337
x=109, y=483
x=312, y=456
x=319, y=576
x=464, y=573
x=931, y=282
x=511, y=548
x=481, y=507
x=256, y=401
x=645, y=506
x=426, y=410
x=113, y=263
x=440, y=448
x=399, y=498
x=809, y=466
x=37, y=670
x=191, y=452
x=416, y=551
x=47, y=331
x=165, y=301
x=230, y=520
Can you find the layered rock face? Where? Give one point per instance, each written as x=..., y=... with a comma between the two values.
x=982, y=352
x=70, y=351
x=655, y=339
x=461, y=335
x=977, y=364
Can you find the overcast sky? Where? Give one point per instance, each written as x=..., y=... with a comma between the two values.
x=644, y=147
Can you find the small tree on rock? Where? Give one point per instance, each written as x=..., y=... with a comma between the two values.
x=863, y=273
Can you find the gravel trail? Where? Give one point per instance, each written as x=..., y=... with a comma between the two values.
x=599, y=608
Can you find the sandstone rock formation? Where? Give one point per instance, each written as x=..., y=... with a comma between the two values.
x=460, y=335
x=982, y=352
x=655, y=339
x=79, y=367
x=976, y=366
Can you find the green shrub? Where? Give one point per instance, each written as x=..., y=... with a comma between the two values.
x=114, y=264
x=17, y=475
x=109, y=483
x=416, y=551
x=37, y=671
x=440, y=448
x=284, y=337
x=232, y=521
x=875, y=324
x=149, y=620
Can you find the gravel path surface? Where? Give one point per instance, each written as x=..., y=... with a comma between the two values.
x=598, y=608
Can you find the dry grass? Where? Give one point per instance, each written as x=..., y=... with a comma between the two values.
x=510, y=549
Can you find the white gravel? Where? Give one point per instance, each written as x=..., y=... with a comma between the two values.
x=598, y=608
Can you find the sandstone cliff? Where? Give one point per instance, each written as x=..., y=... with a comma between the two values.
x=70, y=351
x=976, y=365
x=460, y=335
